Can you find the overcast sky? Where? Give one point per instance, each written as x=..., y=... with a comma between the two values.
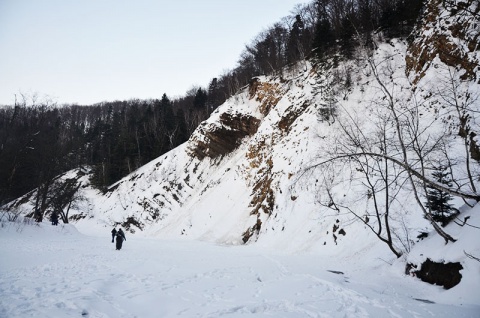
x=88, y=51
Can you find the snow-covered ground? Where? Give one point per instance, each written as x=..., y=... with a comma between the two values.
x=183, y=210
x=48, y=271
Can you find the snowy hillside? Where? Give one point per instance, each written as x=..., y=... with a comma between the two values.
x=334, y=158
x=244, y=176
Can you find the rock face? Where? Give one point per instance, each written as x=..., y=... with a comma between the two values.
x=447, y=43
x=222, y=137
x=267, y=94
x=451, y=33
x=446, y=275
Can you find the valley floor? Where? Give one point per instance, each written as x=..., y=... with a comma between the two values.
x=48, y=271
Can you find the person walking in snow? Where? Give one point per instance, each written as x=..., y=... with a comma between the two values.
x=120, y=239
x=54, y=218
x=114, y=232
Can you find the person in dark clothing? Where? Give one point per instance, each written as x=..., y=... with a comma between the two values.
x=54, y=218
x=120, y=239
x=114, y=232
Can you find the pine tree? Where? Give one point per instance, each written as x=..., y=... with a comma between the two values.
x=182, y=132
x=214, y=98
x=438, y=201
x=294, y=44
x=167, y=114
x=324, y=38
x=347, y=32
x=200, y=99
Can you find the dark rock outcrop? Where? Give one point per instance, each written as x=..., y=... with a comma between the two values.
x=446, y=275
x=223, y=137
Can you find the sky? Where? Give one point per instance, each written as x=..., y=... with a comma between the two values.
x=88, y=51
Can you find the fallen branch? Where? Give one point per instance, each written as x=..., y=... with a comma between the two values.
x=471, y=256
x=407, y=167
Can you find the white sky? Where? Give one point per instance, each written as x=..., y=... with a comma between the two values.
x=88, y=51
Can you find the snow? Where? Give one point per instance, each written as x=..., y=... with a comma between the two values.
x=188, y=259
x=49, y=271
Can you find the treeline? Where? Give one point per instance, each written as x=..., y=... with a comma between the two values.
x=41, y=141
x=320, y=29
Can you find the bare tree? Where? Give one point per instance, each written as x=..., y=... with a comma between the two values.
x=398, y=149
x=461, y=114
x=380, y=180
x=64, y=195
x=408, y=133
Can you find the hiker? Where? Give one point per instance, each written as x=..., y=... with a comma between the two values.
x=114, y=232
x=54, y=218
x=120, y=239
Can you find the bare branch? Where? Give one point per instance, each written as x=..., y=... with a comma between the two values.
x=471, y=256
x=415, y=173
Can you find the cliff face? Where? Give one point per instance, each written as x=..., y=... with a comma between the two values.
x=449, y=31
x=443, y=63
x=221, y=138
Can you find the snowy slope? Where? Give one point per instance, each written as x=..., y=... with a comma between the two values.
x=262, y=190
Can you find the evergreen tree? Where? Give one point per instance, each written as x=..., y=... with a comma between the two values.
x=169, y=124
x=214, y=98
x=399, y=17
x=200, y=99
x=182, y=131
x=294, y=44
x=324, y=38
x=438, y=201
x=168, y=114
x=366, y=22
x=347, y=32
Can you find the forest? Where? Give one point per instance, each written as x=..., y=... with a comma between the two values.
x=40, y=140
